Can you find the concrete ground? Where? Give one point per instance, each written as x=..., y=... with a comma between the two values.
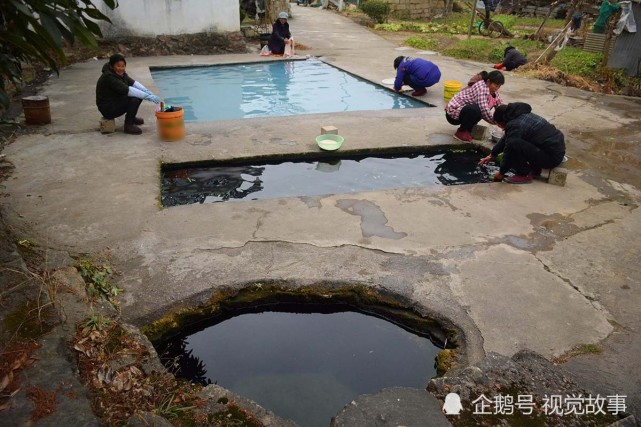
x=538, y=266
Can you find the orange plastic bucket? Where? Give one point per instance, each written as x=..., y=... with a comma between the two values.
x=171, y=126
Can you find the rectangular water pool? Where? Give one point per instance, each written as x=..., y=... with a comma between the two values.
x=292, y=178
x=269, y=89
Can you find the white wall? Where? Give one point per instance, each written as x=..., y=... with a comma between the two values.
x=148, y=18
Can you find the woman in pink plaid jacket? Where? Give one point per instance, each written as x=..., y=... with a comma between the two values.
x=474, y=103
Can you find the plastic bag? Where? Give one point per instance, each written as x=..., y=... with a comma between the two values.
x=626, y=22
x=265, y=51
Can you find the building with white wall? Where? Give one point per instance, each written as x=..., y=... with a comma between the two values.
x=150, y=18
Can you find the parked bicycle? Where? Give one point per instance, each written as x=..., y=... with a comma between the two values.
x=490, y=28
x=486, y=26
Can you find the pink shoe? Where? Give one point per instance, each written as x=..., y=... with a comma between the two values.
x=520, y=179
x=419, y=92
x=463, y=136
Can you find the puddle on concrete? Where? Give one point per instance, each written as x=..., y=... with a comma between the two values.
x=251, y=180
x=304, y=365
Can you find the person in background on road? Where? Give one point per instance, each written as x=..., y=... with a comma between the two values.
x=577, y=19
x=474, y=103
x=512, y=59
x=530, y=143
x=608, y=7
x=281, y=41
x=417, y=73
x=490, y=6
x=118, y=94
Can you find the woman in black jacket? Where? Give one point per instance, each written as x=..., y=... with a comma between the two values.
x=512, y=59
x=118, y=94
x=530, y=143
x=281, y=36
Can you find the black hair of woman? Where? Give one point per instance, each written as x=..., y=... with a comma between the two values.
x=397, y=61
x=507, y=49
x=115, y=58
x=499, y=114
x=477, y=78
x=495, y=77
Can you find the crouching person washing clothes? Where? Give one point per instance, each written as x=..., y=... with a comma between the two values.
x=530, y=143
x=281, y=41
x=118, y=94
x=417, y=73
x=474, y=103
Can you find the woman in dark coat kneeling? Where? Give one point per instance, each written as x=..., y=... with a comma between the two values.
x=530, y=143
x=281, y=38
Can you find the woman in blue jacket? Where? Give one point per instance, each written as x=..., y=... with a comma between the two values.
x=417, y=73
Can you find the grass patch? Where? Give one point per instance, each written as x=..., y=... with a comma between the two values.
x=572, y=60
x=590, y=348
x=476, y=49
x=578, y=350
x=534, y=22
x=431, y=27
x=570, y=67
x=422, y=42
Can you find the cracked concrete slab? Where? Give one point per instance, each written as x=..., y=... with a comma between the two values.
x=517, y=304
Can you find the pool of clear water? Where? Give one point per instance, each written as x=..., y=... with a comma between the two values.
x=268, y=180
x=268, y=89
x=304, y=366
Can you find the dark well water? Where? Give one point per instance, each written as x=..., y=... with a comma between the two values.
x=269, y=89
x=314, y=178
x=304, y=366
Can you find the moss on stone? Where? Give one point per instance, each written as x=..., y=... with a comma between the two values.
x=236, y=416
x=445, y=360
x=274, y=294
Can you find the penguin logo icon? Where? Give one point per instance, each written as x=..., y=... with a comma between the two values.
x=452, y=405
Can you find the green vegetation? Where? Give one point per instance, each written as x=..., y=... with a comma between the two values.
x=26, y=243
x=94, y=323
x=535, y=21
x=483, y=50
x=422, y=42
x=575, y=61
x=378, y=10
x=263, y=294
x=508, y=21
x=32, y=31
x=170, y=409
x=489, y=50
x=570, y=66
x=96, y=276
x=589, y=348
x=429, y=27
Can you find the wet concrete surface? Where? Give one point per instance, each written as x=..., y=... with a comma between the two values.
x=510, y=267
